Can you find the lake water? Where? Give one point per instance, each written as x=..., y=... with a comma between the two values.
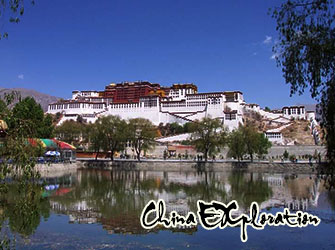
x=100, y=209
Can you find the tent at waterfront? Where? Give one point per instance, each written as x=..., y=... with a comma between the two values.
x=65, y=150
x=52, y=144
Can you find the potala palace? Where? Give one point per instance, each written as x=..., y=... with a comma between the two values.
x=179, y=103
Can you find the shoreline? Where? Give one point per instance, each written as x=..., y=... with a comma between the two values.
x=179, y=166
x=58, y=169
x=192, y=166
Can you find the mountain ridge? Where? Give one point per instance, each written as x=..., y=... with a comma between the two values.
x=41, y=98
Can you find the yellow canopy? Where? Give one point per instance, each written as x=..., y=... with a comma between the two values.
x=3, y=125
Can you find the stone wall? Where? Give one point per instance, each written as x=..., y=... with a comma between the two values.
x=273, y=151
x=297, y=150
x=58, y=169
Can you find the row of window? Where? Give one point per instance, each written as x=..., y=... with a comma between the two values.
x=273, y=136
x=176, y=92
x=121, y=106
x=152, y=103
x=177, y=104
x=97, y=106
x=294, y=111
x=196, y=104
x=215, y=101
x=76, y=106
x=230, y=117
x=196, y=97
x=200, y=97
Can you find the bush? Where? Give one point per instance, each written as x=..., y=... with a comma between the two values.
x=292, y=158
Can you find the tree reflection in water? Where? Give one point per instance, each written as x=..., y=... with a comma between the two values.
x=22, y=208
x=116, y=198
x=245, y=189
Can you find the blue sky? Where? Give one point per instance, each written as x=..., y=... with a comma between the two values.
x=66, y=45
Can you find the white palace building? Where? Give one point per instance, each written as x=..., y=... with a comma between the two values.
x=179, y=103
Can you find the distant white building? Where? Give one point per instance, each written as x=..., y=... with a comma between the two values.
x=275, y=136
x=252, y=107
x=179, y=103
x=296, y=112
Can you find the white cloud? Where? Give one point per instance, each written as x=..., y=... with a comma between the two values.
x=268, y=39
x=21, y=76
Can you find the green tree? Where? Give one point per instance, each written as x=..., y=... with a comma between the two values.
x=96, y=138
x=267, y=109
x=208, y=136
x=80, y=119
x=328, y=121
x=263, y=145
x=3, y=107
x=306, y=51
x=247, y=140
x=114, y=130
x=187, y=127
x=236, y=144
x=141, y=134
x=250, y=136
x=21, y=155
x=31, y=114
x=285, y=154
x=47, y=128
x=170, y=129
x=176, y=128
x=70, y=131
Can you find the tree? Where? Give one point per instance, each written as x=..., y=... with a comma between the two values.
x=31, y=114
x=170, y=129
x=306, y=52
x=285, y=154
x=187, y=127
x=176, y=128
x=236, y=144
x=250, y=136
x=267, y=109
x=251, y=142
x=3, y=107
x=80, y=119
x=70, y=132
x=14, y=9
x=208, y=136
x=263, y=145
x=46, y=130
x=96, y=138
x=114, y=131
x=328, y=121
x=21, y=155
x=141, y=135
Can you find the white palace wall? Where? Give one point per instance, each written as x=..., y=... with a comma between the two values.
x=181, y=106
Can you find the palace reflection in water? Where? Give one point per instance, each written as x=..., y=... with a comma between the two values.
x=115, y=199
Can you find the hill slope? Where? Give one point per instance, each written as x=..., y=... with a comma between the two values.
x=40, y=98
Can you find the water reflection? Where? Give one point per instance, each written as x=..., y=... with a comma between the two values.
x=115, y=199
x=21, y=209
